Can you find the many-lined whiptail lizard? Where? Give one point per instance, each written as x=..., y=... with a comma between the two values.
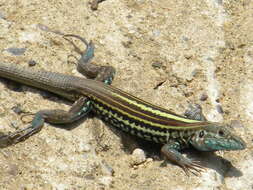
x=119, y=109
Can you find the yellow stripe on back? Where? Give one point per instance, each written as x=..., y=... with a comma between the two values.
x=154, y=124
x=157, y=112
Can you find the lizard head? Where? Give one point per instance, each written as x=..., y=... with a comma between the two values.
x=216, y=137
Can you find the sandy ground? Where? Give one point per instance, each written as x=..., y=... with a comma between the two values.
x=170, y=53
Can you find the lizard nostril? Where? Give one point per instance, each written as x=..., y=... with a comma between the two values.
x=221, y=133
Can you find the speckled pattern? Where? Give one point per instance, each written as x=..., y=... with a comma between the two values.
x=199, y=48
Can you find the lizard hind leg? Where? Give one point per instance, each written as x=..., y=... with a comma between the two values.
x=79, y=109
x=86, y=67
x=194, y=111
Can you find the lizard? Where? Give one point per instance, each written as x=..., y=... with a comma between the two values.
x=119, y=109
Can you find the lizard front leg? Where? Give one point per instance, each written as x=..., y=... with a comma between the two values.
x=171, y=152
x=194, y=111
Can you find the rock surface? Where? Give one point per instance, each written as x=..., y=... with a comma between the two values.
x=169, y=53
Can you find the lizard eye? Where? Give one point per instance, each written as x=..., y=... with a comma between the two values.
x=221, y=133
x=201, y=134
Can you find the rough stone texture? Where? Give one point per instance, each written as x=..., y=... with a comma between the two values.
x=198, y=47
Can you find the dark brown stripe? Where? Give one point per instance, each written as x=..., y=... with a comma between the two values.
x=102, y=95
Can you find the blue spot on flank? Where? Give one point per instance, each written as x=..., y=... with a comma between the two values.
x=85, y=109
x=108, y=81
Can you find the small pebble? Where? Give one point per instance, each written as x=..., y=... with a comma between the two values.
x=133, y=176
x=2, y=16
x=17, y=109
x=185, y=38
x=219, y=109
x=203, y=97
x=236, y=124
x=89, y=177
x=105, y=180
x=107, y=169
x=220, y=2
x=157, y=65
x=156, y=32
x=43, y=27
x=210, y=59
x=16, y=51
x=32, y=63
x=188, y=55
x=13, y=169
x=83, y=147
x=138, y=157
x=149, y=160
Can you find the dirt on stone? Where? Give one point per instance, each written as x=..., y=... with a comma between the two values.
x=170, y=53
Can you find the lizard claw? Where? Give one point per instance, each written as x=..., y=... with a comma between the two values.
x=17, y=136
x=193, y=167
x=23, y=134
